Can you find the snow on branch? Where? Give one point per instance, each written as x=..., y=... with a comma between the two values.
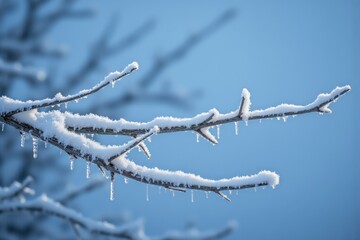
x=19, y=106
x=16, y=189
x=94, y=124
x=66, y=131
x=17, y=69
x=46, y=205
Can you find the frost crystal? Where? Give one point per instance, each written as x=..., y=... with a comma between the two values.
x=35, y=143
x=88, y=169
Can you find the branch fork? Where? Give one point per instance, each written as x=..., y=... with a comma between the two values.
x=67, y=132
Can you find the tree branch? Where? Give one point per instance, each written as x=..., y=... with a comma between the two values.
x=54, y=127
x=16, y=189
x=102, y=125
x=46, y=205
x=59, y=99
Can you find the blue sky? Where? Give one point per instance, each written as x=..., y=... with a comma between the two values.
x=283, y=52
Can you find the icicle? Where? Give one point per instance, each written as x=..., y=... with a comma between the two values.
x=237, y=192
x=149, y=139
x=192, y=196
x=246, y=122
x=284, y=118
x=87, y=169
x=35, y=143
x=218, y=131
x=2, y=127
x=207, y=194
x=230, y=192
x=112, y=186
x=173, y=193
x=71, y=162
x=45, y=144
x=197, y=137
x=126, y=181
x=66, y=104
x=147, y=192
x=236, y=128
x=113, y=84
x=22, y=139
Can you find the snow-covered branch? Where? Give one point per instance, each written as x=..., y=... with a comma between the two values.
x=16, y=189
x=131, y=230
x=65, y=131
x=59, y=98
x=18, y=70
x=46, y=205
x=103, y=125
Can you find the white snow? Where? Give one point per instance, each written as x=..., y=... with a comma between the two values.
x=283, y=108
x=179, y=177
x=8, y=105
x=246, y=104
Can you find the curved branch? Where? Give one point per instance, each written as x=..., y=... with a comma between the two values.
x=82, y=147
x=46, y=205
x=20, y=106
